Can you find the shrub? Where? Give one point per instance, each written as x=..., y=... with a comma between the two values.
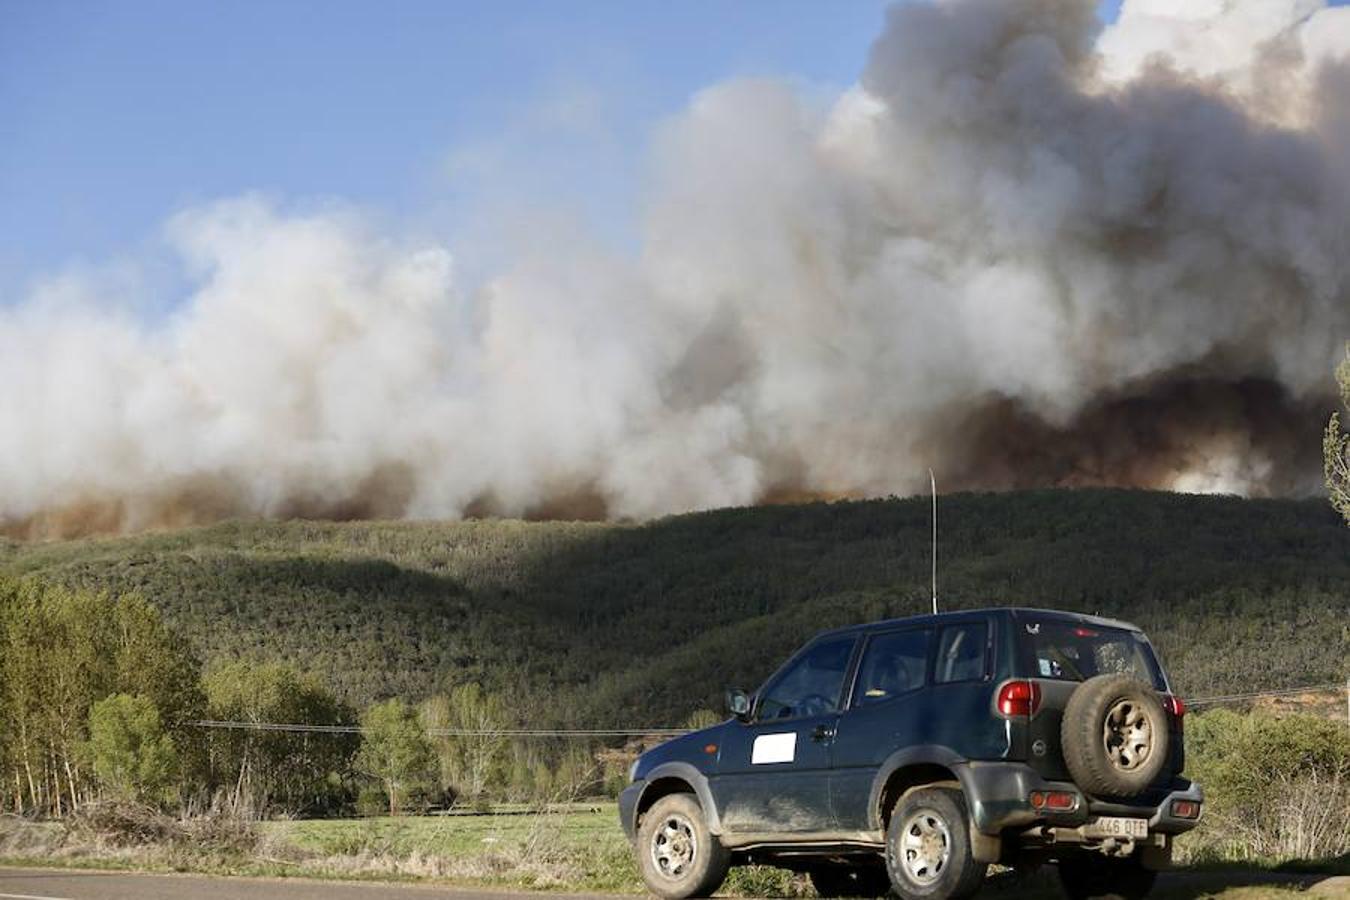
x=1277, y=788
x=125, y=824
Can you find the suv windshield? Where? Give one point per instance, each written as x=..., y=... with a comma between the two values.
x=1068, y=651
x=811, y=684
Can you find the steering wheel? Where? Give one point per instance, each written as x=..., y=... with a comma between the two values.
x=813, y=705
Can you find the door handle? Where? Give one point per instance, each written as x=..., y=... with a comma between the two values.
x=823, y=734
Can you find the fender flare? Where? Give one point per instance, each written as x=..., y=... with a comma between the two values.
x=922, y=754
x=691, y=776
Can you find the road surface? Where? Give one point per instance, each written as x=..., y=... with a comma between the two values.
x=69, y=884
x=84, y=884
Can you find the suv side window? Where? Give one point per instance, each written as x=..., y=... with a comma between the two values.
x=810, y=686
x=961, y=653
x=892, y=664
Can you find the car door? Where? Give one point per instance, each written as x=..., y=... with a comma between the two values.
x=944, y=700
x=888, y=710
x=774, y=770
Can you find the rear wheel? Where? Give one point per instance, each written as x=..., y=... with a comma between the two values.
x=928, y=855
x=851, y=881
x=1091, y=876
x=678, y=855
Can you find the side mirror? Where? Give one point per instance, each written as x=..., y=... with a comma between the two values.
x=738, y=704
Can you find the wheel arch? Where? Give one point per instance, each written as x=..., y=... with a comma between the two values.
x=915, y=767
x=910, y=768
x=677, y=778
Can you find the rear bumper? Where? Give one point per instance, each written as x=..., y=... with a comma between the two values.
x=997, y=794
x=1160, y=819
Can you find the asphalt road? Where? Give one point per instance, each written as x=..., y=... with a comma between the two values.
x=67, y=884
x=63, y=884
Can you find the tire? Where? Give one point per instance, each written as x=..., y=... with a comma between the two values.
x=678, y=855
x=1091, y=876
x=928, y=847
x=1115, y=737
x=851, y=881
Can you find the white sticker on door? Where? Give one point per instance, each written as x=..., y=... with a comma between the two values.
x=774, y=748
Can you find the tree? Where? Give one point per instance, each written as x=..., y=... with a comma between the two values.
x=300, y=773
x=1336, y=446
x=395, y=751
x=578, y=774
x=62, y=650
x=132, y=756
x=150, y=661
x=469, y=762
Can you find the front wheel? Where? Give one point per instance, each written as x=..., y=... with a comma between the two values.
x=928, y=853
x=1091, y=876
x=678, y=855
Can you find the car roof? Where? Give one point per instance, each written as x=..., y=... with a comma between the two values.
x=1016, y=612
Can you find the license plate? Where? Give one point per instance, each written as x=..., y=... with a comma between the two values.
x=1113, y=826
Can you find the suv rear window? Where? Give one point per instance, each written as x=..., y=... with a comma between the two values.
x=1068, y=651
x=961, y=653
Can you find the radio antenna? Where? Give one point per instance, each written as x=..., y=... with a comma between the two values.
x=932, y=480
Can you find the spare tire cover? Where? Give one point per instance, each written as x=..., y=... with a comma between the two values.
x=1115, y=736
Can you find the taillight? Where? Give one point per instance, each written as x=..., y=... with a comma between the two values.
x=1019, y=698
x=1185, y=809
x=1174, y=705
x=1060, y=801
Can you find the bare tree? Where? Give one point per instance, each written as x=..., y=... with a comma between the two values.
x=1336, y=446
x=470, y=757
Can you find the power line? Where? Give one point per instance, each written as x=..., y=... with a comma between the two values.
x=1253, y=695
x=444, y=732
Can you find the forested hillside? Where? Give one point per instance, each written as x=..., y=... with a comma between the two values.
x=591, y=624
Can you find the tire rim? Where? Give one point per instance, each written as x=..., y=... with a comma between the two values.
x=1127, y=735
x=674, y=846
x=925, y=846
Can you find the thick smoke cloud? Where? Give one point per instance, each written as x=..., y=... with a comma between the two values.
x=1018, y=251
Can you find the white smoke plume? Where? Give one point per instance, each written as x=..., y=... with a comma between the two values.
x=1020, y=251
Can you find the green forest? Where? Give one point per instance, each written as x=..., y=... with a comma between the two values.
x=112, y=649
x=622, y=625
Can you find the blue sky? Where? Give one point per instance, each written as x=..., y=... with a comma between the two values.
x=118, y=114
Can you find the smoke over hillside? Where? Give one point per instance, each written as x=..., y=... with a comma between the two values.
x=1019, y=252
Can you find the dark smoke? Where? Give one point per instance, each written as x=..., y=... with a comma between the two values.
x=1194, y=434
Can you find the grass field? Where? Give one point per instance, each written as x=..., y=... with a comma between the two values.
x=577, y=849
x=584, y=849
x=453, y=835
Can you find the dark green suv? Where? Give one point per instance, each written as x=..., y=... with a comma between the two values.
x=909, y=755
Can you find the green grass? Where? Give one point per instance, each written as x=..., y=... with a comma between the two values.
x=580, y=849
x=451, y=836
x=591, y=839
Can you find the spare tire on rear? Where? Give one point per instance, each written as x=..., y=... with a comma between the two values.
x=1115, y=736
